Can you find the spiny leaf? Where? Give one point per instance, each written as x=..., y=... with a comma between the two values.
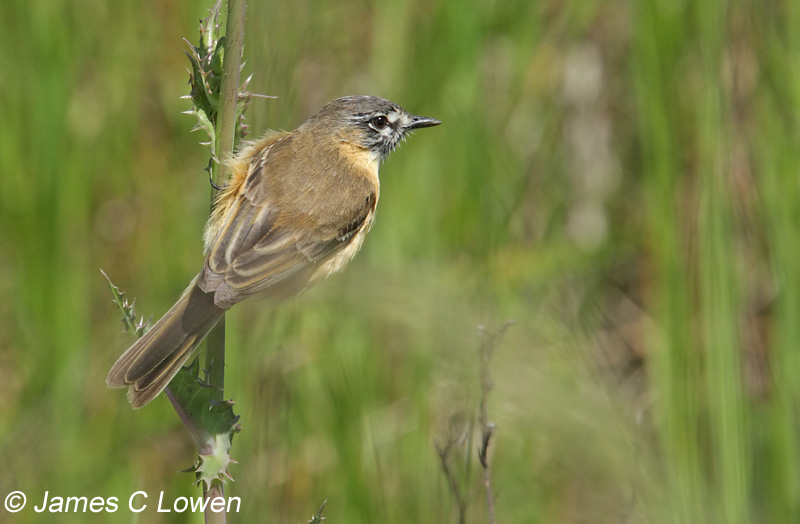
x=212, y=424
x=317, y=518
x=128, y=310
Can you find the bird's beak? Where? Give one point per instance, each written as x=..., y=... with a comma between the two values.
x=418, y=122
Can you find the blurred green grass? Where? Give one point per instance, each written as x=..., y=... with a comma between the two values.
x=619, y=177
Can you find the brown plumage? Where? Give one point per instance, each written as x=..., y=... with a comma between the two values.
x=296, y=209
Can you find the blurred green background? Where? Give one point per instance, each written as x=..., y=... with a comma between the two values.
x=620, y=178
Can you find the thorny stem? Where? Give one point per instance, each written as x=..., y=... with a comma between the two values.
x=229, y=96
x=215, y=345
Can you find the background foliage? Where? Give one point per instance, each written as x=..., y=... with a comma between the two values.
x=619, y=177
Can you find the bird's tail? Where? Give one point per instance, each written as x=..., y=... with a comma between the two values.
x=149, y=364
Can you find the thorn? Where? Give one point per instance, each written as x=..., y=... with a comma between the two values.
x=211, y=181
x=262, y=96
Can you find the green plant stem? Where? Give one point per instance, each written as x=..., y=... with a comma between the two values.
x=226, y=137
x=226, y=131
x=216, y=490
x=215, y=358
x=232, y=65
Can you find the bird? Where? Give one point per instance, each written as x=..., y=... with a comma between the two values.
x=295, y=209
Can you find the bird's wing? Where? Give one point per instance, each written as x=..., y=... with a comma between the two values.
x=269, y=242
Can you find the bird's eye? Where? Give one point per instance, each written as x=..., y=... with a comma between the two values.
x=379, y=122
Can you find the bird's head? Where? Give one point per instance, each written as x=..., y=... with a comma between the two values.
x=370, y=123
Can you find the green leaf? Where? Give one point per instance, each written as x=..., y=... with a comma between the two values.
x=215, y=69
x=199, y=90
x=212, y=424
